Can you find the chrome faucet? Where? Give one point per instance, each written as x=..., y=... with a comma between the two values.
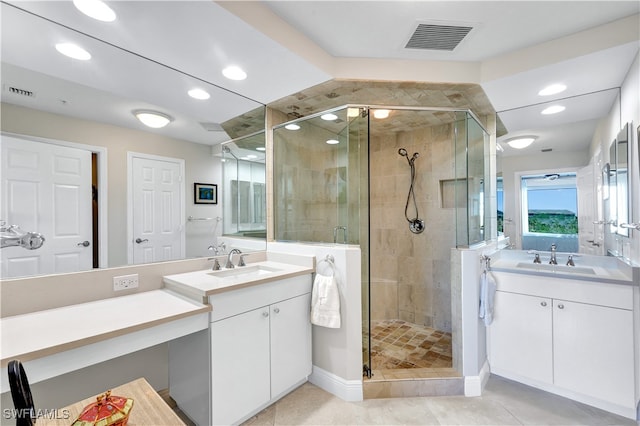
x=216, y=264
x=229, y=264
x=536, y=259
x=13, y=236
x=553, y=260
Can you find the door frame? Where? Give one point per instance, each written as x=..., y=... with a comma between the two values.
x=103, y=190
x=181, y=164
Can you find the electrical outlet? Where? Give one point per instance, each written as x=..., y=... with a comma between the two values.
x=125, y=282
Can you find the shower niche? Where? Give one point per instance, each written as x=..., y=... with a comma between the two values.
x=348, y=170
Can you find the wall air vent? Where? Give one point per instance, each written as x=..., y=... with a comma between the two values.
x=437, y=37
x=21, y=92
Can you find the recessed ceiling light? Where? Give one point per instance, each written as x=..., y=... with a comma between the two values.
x=521, y=142
x=251, y=156
x=234, y=72
x=199, y=94
x=153, y=119
x=95, y=9
x=552, y=89
x=73, y=51
x=261, y=148
x=381, y=113
x=553, y=109
x=333, y=141
x=292, y=127
x=329, y=117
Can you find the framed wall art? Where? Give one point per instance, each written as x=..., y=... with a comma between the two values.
x=205, y=193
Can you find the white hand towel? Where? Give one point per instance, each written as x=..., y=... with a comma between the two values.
x=487, y=294
x=325, y=302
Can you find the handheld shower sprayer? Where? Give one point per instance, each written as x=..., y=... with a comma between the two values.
x=416, y=225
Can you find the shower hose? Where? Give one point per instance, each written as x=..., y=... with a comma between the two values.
x=416, y=225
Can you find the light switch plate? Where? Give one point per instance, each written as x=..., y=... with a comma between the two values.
x=125, y=282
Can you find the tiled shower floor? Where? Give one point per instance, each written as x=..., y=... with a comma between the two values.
x=402, y=350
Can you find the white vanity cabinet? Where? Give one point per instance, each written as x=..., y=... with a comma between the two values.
x=257, y=356
x=566, y=336
x=257, y=349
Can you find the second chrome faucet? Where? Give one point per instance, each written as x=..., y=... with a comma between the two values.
x=229, y=264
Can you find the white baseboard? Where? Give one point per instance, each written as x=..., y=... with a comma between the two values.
x=347, y=390
x=473, y=385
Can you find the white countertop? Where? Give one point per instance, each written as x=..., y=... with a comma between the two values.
x=40, y=334
x=205, y=283
x=606, y=269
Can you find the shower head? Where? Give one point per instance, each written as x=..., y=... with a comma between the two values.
x=402, y=152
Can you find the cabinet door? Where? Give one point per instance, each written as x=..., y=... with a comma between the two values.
x=239, y=365
x=290, y=343
x=593, y=351
x=520, y=337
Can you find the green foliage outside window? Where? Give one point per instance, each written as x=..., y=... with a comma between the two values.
x=553, y=222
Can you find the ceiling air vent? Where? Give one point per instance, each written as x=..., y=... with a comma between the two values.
x=437, y=37
x=212, y=127
x=21, y=92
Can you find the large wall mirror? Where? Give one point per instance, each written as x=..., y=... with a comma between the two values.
x=79, y=116
x=552, y=189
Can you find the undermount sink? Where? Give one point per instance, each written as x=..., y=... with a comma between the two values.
x=544, y=267
x=243, y=271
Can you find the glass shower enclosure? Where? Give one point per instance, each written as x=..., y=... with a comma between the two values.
x=341, y=177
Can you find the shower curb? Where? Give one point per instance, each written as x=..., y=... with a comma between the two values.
x=401, y=388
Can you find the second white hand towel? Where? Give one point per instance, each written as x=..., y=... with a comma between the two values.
x=325, y=302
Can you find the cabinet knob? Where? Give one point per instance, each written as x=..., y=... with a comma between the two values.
x=265, y=314
x=543, y=303
x=276, y=310
x=560, y=306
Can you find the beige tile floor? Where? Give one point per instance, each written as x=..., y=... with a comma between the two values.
x=503, y=403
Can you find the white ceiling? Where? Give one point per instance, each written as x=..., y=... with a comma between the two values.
x=156, y=50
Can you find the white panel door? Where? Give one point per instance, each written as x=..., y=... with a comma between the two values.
x=46, y=188
x=156, y=210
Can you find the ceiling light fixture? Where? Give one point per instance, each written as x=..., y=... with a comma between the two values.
x=261, y=148
x=73, y=51
x=329, y=117
x=152, y=119
x=553, y=109
x=292, y=126
x=552, y=89
x=381, y=113
x=333, y=142
x=521, y=142
x=234, y=72
x=95, y=9
x=199, y=94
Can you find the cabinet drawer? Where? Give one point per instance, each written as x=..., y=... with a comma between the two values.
x=245, y=299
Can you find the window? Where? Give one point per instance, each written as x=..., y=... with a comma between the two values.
x=550, y=204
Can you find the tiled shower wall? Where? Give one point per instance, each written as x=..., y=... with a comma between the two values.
x=410, y=273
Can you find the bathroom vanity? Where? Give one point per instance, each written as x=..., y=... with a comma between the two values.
x=258, y=344
x=568, y=331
